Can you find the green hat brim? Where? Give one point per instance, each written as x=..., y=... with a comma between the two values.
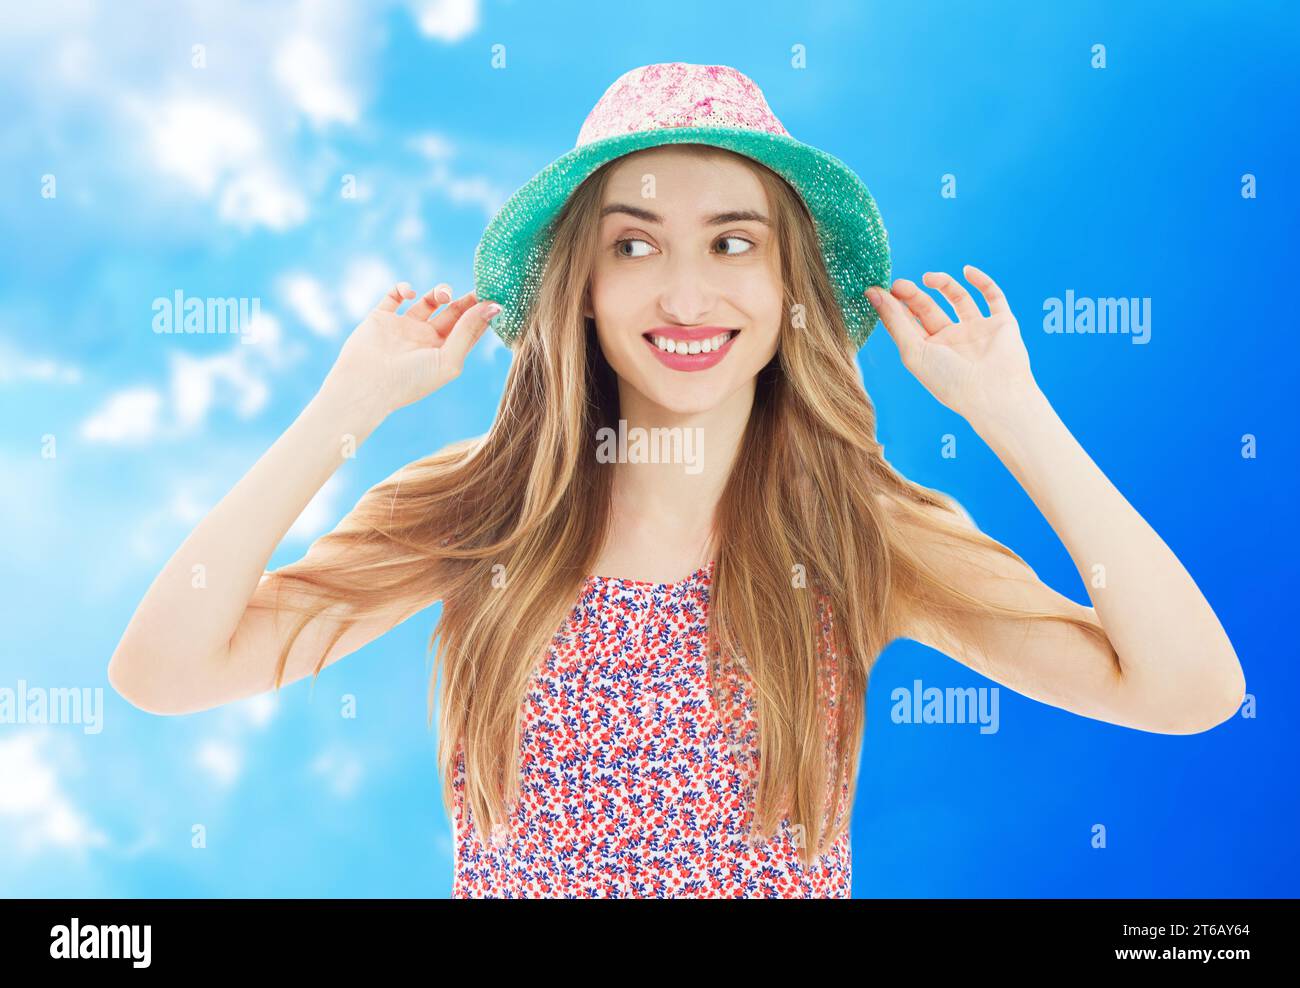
x=512, y=253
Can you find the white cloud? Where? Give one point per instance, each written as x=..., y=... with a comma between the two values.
x=342, y=770
x=221, y=760
x=461, y=189
x=446, y=20
x=358, y=188
x=365, y=282
x=156, y=533
x=432, y=146
x=196, y=386
x=128, y=416
x=219, y=152
x=251, y=714
x=261, y=197
x=264, y=333
x=73, y=62
x=200, y=141
x=308, y=74
x=192, y=387
x=36, y=812
x=33, y=515
x=409, y=230
x=310, y=301
x=194, y=382
x=18, y=366
x=222, y=755
x=228, y=129
x=257, y=711
x=474, y=189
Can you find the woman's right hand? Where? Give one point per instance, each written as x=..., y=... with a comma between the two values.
x=392, y=360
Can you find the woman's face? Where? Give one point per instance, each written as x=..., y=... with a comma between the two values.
x=686, y=256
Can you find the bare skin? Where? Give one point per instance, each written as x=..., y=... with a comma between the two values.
x=1168, y=667
x=187, y=649
x=684, y=271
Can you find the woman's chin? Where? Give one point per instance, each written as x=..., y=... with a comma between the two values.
x=693, y=397
x=683, y=392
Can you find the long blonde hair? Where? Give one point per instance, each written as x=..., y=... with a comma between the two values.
x=506, y=526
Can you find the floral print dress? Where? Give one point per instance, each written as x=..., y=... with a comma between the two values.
x=631, y=777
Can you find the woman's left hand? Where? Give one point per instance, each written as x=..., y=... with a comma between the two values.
x=973, y=365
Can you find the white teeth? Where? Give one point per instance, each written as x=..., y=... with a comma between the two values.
x=694, y=346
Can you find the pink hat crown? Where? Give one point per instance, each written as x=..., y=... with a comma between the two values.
x=679, y=94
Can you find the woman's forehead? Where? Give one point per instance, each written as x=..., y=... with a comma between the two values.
x=684, y=185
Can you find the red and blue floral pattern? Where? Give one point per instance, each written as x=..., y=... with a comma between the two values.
x=631, y=776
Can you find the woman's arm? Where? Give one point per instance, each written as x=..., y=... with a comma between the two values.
x=194, y=642
x=1172, y=668
x=175, y=654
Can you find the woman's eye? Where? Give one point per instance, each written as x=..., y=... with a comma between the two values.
x=740, y=240
x=628, y=242
x=618, y=246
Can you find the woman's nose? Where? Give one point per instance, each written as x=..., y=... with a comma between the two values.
x=686, y=294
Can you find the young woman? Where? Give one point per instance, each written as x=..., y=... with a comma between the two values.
x=608, y=725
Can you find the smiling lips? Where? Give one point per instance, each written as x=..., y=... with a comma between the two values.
x=693, y=349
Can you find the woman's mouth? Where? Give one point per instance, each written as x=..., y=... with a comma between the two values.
x=690, y=355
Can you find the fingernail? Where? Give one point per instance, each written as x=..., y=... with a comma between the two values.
x=443, y=295
x=492, y=310
x=874, y=295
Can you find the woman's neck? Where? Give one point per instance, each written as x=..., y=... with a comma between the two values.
x=669, y=470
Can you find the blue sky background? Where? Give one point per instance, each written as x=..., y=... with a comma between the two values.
x=225, y=181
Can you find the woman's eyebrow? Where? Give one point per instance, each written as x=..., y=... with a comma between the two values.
x=731, y=216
